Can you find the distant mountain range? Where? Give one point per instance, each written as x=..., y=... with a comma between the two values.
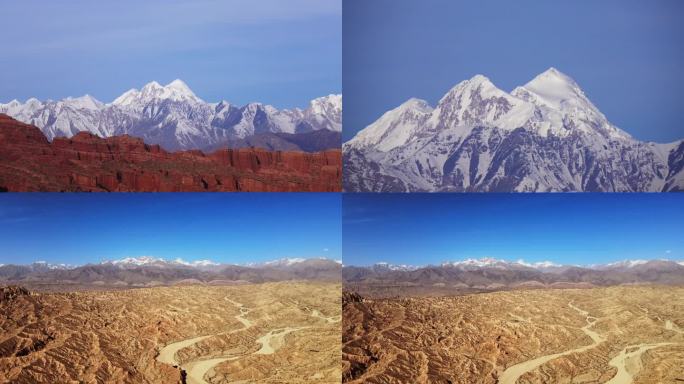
x=543, y=136
x=492, y=274
x=151, y=271
x=176, y=119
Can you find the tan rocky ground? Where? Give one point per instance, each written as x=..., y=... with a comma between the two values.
x=599, y=335
x=257, y=333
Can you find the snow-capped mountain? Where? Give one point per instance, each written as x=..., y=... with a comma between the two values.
x=543, y=136
x=488, y=262
x=393, y=267
x=471, y=264
x=152, y=271
x=487, y=274
x=44, y=265
x=158, y=262
x=286, y=261
x=151, y=261
x=174, y=117
x=622, y=264
x=292, y=262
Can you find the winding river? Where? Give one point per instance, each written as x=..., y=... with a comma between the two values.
x=629, y=359
x=197, y=369
x=511, y=374
x=627, y=362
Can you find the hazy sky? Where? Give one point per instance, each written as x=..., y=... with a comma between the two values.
x=627, y=55
x=227, y=227
x=280, y=52
x=583, y=228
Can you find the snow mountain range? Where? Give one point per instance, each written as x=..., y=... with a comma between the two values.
x=152, y=261
x=543, y=136
x=544, y=266
x=488, y=274
x=151, y=271
x=175, y=118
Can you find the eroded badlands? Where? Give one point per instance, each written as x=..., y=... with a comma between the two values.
x=599, y=335
x=256, y=333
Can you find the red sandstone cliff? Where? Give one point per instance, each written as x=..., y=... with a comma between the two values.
x=29, y=162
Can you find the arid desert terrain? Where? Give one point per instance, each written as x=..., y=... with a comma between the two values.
x=625, y=334
x=283, y=332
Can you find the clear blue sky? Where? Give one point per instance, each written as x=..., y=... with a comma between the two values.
x=224, y=227
x=627, y=55
x=283, y=53
x=583, y=228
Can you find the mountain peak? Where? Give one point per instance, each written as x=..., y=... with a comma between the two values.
x=478, y=84
x=84, y=102
x=152, y=85
x=320, y=104
x=479, y=79
x=552, y=78
x=176, y=90
x=416, y=104
x=395, y=127
x=180, y=86
x=554, y=89
x=158, y=262
x=142, y=260
x=475, y=82
x=552, y=71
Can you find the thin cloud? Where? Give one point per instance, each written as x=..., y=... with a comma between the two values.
x=359, y=220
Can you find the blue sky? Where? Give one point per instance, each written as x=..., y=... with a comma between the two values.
x=627, y=55
x=583, y=228
x=280, y=52
x=225, y=227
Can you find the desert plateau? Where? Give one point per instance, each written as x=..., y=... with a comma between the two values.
x=278, y=332
x=618, y=334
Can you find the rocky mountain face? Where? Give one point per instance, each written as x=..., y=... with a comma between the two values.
x=149, y=271
x=313, y=141
x=543, y=136
x=173, y=117
x=492, y=274
x=85, y=162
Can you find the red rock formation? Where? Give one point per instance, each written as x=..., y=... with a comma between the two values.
x=85, y=162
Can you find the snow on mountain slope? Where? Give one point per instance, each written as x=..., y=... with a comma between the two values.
x=624, y=264
x=176, y=91
x=479, y=102
x=173, y=116
x=544, y=136
x=563, y=103
x=395, y=128
x=544, y=266
x=488, y=262
x=394, y=267
x=285, y=261
x=325, y=113
x=293, y=262
x=160, y=262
